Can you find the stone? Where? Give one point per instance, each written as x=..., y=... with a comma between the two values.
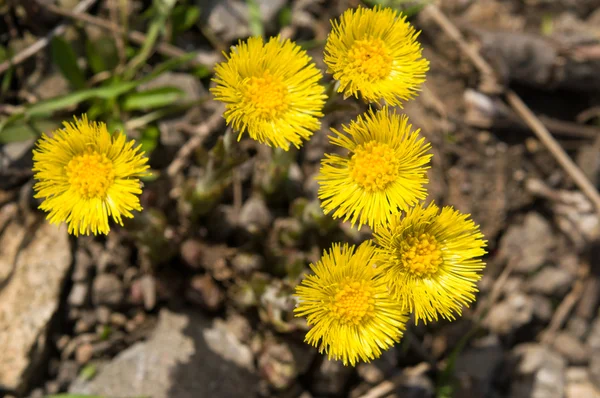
x=579, y=385
x=255, y=216
x=552, y=281
x=79, y=295
x=537, y=372
x=571, y=348
x=34, y=262
x=577, y=326
x=528, y=245
x=593, y=338
x=203, y=291
x=230, y=18
x=509, y=315
x=108, y=290
x=478, y=364
x=276, y=364
x=331, y=378
x=177, y=361
x=84, y=353
x=595, y=368
x=83, y=266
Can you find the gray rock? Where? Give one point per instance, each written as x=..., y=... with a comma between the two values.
x=593, y=339
x=528, y=245
x=331, y=378
x=79, y=295
x=255, y=216
x=33, y=266
x=571, y=348
x=579, y=385
x=83, y=266
x=552, y=281
x=477, y=365
x=229, y=18
x=577, y=326
x=177, y=361
x=538, y=372
x=509, y=315
x=595, y=368
x=108, y=290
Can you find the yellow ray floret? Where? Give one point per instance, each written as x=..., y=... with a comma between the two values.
x=271, y=90
x=348, y=305
x=85, y=176
x=431, y=260
x=375, y=52
x=383, y=174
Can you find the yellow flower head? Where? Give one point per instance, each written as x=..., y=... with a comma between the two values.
x=271, y=91
x=383, y=174
x=86, y=175
x=375, y=52
x=348, y=306
x=431, y=260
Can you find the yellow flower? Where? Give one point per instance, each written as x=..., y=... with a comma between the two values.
x=271, y=91
x=347, y=303
x=375, y=52
x=86, y=175
x=431, y=260
x=383, y=174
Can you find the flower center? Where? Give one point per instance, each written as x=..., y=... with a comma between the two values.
x=370, y=59
x=420, y=255
x=374, y=166
x=353, y=301
x=266, y=95
x=90, y=174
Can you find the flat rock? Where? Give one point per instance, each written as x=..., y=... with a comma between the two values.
x=538, y=372
x=571, y=348
x=510, y=315
x=579, y=385
x=477, y=365
x=32, y=270
x=552, y=281
x=528, y=245
x=183, y=358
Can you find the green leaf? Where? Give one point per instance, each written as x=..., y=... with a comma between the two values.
x=285, y=16
x=149, y=139
x=50, y=105
x=151, y=99
x=254, y=18
x=101, y=54
x=23, y=131
x=88, y=372
x=184, y=17
x=66, y=60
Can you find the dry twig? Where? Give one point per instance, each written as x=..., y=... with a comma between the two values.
x=203, y=130
x=519, y=106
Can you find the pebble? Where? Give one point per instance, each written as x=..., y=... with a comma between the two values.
x=107, y=290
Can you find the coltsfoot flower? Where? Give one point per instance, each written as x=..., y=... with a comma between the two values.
x=347, y=303
x=383, y=174
x=431, y=260
x=375, y=52
x=85, y=176
x=271, y=90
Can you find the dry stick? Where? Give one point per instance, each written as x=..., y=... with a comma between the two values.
x=561, y=156
x=563, y=310
x=201, y=133
x=40, y=44
x=136, y=37
x=520, y=107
